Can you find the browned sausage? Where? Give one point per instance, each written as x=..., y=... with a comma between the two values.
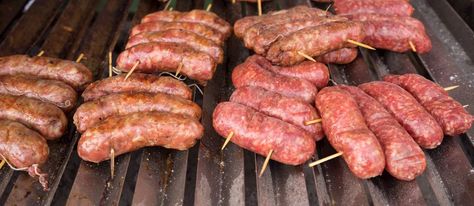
x=91, y=113
x=137, y=130
x=340, y=56
x=385, y=7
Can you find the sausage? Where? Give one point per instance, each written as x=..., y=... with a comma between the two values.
x=288, y=109
x=52, y=91
x=404, y=158
x=405, y=20
x=449, y=113
x=403, y=106
x=292, y=14
x=340, y=56
x=386, y=7
x=137, y=82
x=162, y=56
x=251, y=74
x=200, y=29
x=45, y=118
x=23, y=148
x=190, y=39
x=314, y=41
x=137, y=130
x=91, y=113
x=347, y=132
x=315, y=72
x=260, y=37
x=72, y=73
x=195, y=16
x=259, y=133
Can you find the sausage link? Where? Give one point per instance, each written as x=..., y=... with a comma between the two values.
x=137, y=130
x=51, y=91
x=72, y=73
x=340, y=56
x=250, y=73
x=403, y=106
x=315, y=41
x=405, y=159
x=137, y=82
x=45, y=118
x=162, y=56
x=347, y=132
x=449, y=113
x=259, y=133
x=91, y=113
x=190, y=39
x=288, y=109
x=386, y=7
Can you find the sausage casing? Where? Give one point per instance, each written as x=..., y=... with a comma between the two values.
x=340, y=56
x=385, y=7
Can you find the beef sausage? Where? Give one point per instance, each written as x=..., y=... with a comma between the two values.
x=91, y=113
x=315, y=41
x=190, y=39
x=408, y=112
x=137, y=82
x=45, y=118
x=137, y=130
x=72, y=73
x=46, y=90
x=315, y=72
x=347, y=132
x=288, y=109
x=251, y=74
x=449, y=113
x=404, y=158
x=195, y=16
x=163, y=56
x=259, y=133
x=386, y=7
x=340, y=56
x=199, y=29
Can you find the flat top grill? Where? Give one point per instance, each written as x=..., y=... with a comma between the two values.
x=204, y=175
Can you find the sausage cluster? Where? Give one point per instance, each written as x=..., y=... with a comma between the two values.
x=35, y=93
x=122, y=115
x=186, y=42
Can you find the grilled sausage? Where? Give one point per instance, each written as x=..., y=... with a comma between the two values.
x=162, y=56
x=315, y=72
x=190, y=39
x=136, y=82
x=72, y=73
x=259, y=133
x=195, y=16
x=51, y=91
x=250, y=73
x=340, y=56
x=405, y=159
x=449, y=113
x=45, y=118
x=386, y=7
x=288, y=109
x=91, y=113
x=314, y=41
x=347, y=132
x=415, y=119
x=137, y=130
x=199, y=29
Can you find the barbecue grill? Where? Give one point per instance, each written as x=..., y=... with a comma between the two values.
x=205, y=175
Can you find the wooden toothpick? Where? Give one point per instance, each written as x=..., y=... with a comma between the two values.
x=451, y=88
x=412, y=46
x=112, y=162
x=227, y=140
x=179, y=69
x=133, y=69
x=265, y=164
x=306, y=56
x=2, y=163
x=209, y=7
x=360, y=44
x=259, y=3
x=40, y=53
x=312, y=122
x=325, y=159
x=79, y=58
x=110, y=64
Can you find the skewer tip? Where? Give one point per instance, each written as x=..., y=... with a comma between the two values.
x=306, y=56
x=412, y=46
x=451, y=88
x=259, y=2
x=325, y=159
x=312, y=122
x=227, y=140
x=2, y=163
x=40, y=53
x=209, y=7
x=360, y=44
x=265, y=164
x=79, y=58
x=132, y=70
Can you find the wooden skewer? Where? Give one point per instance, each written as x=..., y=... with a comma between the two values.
x=40, y=53
x=467, y=105
x=312, y=122
x=360, y=44
x=209, y=6
x=2, y=163
x=167, y=5
x=259, y=3
x=112, y=162
x=227, y=140
x=110, y=64
x=412, y=46
x=179, y=68
x=131, y=70
x=306, y=56
x=265, y=164
x=327, y=9
x=325, y=159
x=451, y=88
x=79, y=58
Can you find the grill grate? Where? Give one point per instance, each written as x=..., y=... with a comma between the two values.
x=204, y=175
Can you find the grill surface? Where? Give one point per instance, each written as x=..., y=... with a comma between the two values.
x=204, y=175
